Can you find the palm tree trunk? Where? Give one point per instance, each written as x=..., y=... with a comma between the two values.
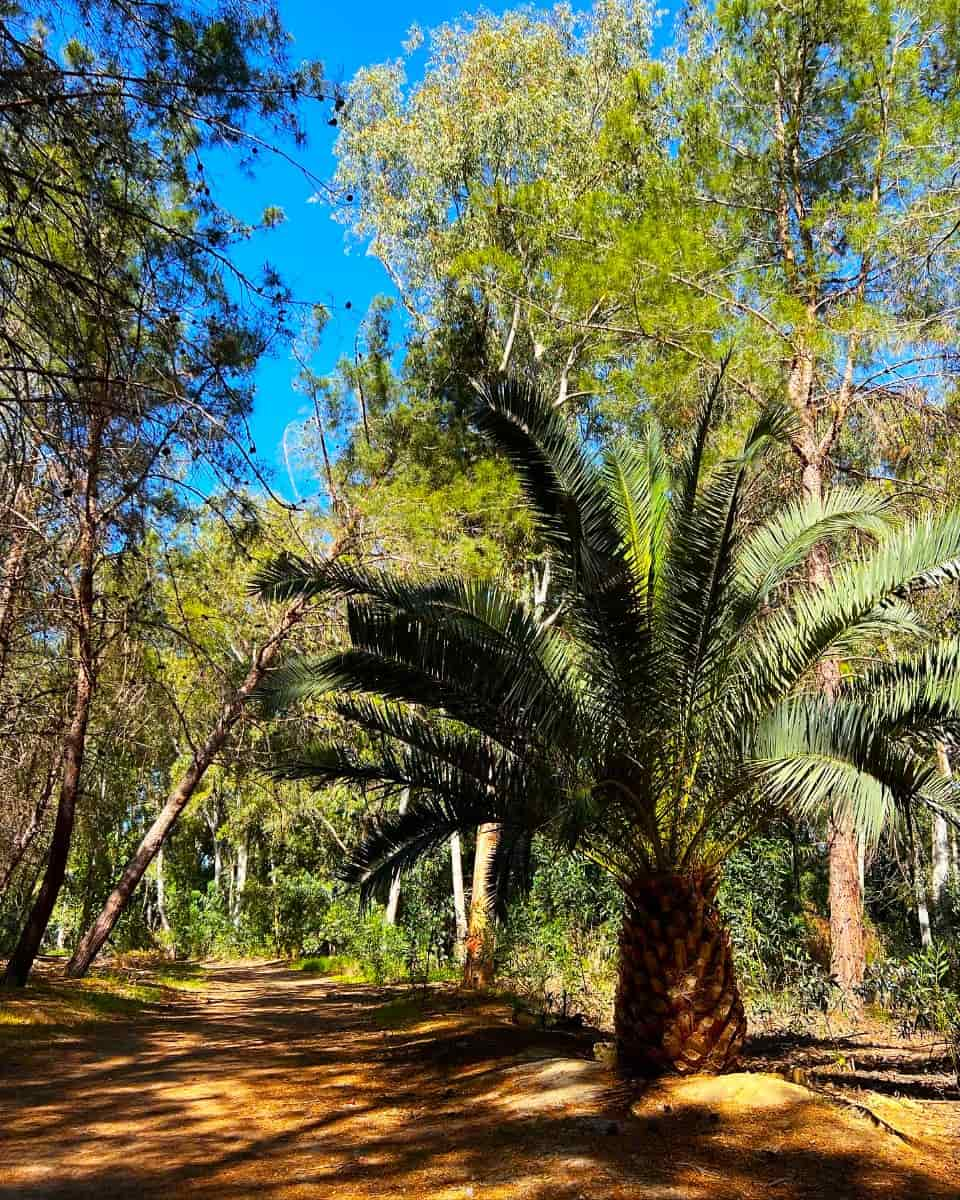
x=678, y=1007
x=478, y=962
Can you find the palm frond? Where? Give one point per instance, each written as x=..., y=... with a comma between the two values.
x=561, y=482
x=782, y=544
x=639, y=482
x=779, y=653
x=814, y=757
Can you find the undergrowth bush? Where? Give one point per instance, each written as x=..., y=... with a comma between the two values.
x=558, y=948
x=764, y=895
x=920, y=992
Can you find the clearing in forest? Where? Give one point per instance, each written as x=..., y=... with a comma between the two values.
x=268, y=1082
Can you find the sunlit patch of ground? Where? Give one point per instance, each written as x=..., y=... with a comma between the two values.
x=282, y=1083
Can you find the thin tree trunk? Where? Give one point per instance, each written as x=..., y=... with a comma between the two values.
x=162, y=894
x=459, y=900
x=26, y=837
x=941, y=842
x=393, y=901
x=478, y=961
x=22, y=959
x=920, y=892
x=13, y=576
x=678, y=1007
x=92, y=941
x=847, y=936
x=240, y=880
x=847, y=932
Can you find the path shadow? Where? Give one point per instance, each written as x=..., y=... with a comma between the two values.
x=285, y=1087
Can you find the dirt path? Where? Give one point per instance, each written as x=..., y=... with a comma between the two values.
x=275, y=1084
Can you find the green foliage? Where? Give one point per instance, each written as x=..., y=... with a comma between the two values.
x=664, y=712
x=921, y=992
x=328, y=964
x=759, y=898
x=764, y=895
x=558, y=946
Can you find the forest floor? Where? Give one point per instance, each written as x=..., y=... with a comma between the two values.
x=266, y=1081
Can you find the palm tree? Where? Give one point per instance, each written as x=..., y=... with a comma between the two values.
x=666, y=710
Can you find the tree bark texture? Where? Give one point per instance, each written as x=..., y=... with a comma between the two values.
x=847, y=940
x=478, y=960
x=678, y=1007
x=847, y=933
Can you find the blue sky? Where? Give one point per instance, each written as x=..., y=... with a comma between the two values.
x=309, y=248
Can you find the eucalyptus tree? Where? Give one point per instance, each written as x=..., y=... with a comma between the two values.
x=670, y=706
x=461, y=183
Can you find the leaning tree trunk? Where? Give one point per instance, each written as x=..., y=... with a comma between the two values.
x=478, y=960
x=94, y=938
x=21, y=961
x=678, y=1007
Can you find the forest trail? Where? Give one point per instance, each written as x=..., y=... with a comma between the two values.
x=272, y=1083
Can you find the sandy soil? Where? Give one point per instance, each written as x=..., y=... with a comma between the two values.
x=271, y=1083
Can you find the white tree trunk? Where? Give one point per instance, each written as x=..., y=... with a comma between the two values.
x=161, y=893
x=941, y=840
x=923, y=913
x=393, y=902
x=459, y=898
x=239, y=880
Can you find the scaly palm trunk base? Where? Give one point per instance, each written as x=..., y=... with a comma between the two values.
x=678, y=1007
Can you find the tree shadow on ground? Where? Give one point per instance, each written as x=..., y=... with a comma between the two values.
x=283, y=1086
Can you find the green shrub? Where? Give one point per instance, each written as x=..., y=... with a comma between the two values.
x=917, y=990
x=558, y=948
